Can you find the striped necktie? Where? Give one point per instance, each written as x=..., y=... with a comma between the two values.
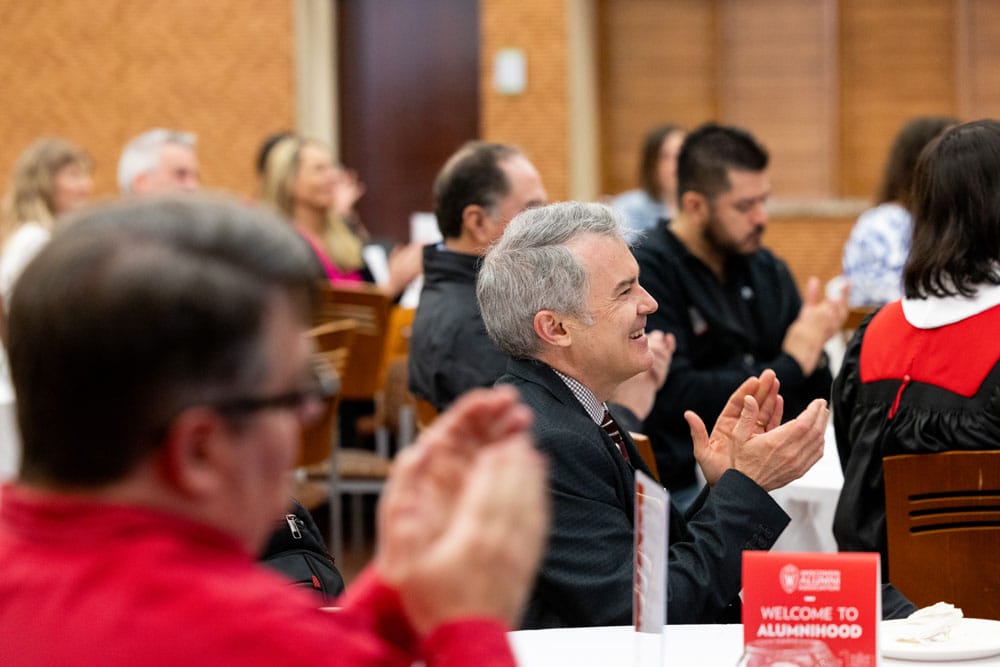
x=611, y=428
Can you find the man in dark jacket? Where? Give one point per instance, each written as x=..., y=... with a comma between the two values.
x=732, y=305
x=479, y=189
x=559, y=293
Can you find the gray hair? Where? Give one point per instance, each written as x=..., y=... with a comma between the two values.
x=530, y=269
x=136, y=311
x=142, y=154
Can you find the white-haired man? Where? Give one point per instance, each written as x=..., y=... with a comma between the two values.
x=159, y=161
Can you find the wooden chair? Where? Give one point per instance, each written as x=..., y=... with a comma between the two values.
x=397, y=339
x=325, y=470
x=360, y=472
x=370, y=307
x=943, y=527
x=855, y=316
x=347, y=471
x=318, y=440
x=394, y=405
x=333, y=343
x=426, y=413
x=382, y=338
x=645, y=448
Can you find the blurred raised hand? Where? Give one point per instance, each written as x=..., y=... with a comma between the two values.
x=347, y=190
x=463, y=519
x=819, y=319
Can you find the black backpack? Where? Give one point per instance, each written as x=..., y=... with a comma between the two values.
x=296, y=550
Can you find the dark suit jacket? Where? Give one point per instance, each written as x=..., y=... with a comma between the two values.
x=586, y=576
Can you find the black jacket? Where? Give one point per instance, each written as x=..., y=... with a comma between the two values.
x=902, y=390
x=725, y=333
x=450, y=351
x=586, y=576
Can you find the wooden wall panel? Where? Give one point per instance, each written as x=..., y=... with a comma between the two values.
x=657, y=65
x=537, y=120
x=978, y=59
x=99, y=73
x=825, y=83
x=778, y=79
x=409, y=97
x=897, y=61
x=810, y=245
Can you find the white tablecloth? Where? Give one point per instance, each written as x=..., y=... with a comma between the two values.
x=810, y=501
x=685, y=646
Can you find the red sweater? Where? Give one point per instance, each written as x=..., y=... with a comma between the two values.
x=87, y=583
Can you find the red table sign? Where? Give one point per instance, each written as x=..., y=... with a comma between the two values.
x=835, y=598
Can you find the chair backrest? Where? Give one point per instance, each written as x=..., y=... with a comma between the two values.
x=396, y=403
x=397, y=340
x=333, y=343
x=369, y=306
x=943, y=527
x=855, y=316
x=426, y=413
x=645, y=448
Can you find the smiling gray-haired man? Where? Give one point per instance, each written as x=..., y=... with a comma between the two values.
x=560, y=293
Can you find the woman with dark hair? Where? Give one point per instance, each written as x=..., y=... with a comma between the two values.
x=657, y=196
x=923, y=374
x=880, y=241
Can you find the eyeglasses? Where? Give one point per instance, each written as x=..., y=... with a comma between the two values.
x=323, y=384
x=307, y=402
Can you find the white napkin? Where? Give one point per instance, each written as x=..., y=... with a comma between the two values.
x=930, y=624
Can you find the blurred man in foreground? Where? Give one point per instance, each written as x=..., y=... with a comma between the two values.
x=159, y=355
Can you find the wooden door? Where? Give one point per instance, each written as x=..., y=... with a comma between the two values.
x=408, y=76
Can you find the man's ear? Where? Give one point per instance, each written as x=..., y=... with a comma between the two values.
x=694, y=206
x=550, y=328
x=140, y=183
x=477, y=225
x=196, y=454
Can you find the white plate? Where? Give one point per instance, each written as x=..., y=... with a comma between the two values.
x=971, y=638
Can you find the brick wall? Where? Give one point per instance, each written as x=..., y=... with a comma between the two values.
x=536, y=120
x=99, y=73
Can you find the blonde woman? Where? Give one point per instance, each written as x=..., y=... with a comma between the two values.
x=302, y=181
x=50, y=178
